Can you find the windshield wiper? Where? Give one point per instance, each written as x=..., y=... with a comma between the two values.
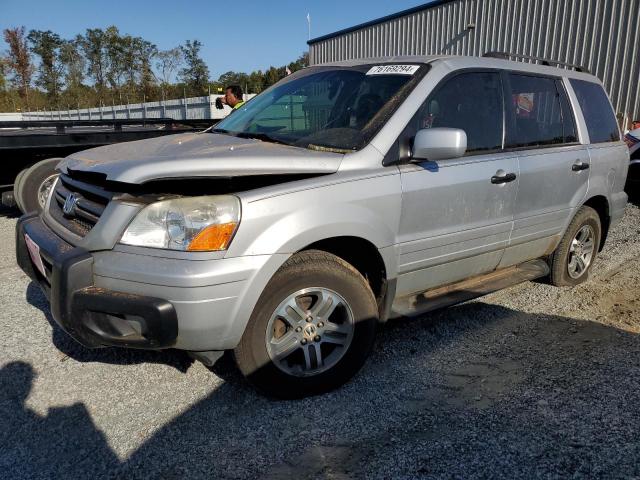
x=220, y=130
x=260, y=136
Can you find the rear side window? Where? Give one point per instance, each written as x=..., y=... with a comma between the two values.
x=597, y=112
x=471, y=102
x=541, y=114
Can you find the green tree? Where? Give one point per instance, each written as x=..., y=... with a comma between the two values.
x=195, y=74
x=145, y=53
x=167, y=63
x=46, y=45
x=73, y=62
x=93, y=45
x=3, y=74
x=118, y=56
x=256, y=82
x=106, y=65
x=234, y=78
x=74, y=65
x=301, y=62
x=273, y=75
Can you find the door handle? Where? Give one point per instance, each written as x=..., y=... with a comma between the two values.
x=579, y=165
x=503, y=178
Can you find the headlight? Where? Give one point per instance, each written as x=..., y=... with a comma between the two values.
x=188, y=224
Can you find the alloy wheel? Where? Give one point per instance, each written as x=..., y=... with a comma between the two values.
x=310, y=331
x=581, y=251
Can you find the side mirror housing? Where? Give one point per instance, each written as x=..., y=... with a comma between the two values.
x=439, y=144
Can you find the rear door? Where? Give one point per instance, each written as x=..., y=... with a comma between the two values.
x=455, y=223
x=609, y=156
x=553, y=165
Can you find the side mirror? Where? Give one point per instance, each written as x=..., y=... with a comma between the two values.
x=439, y=144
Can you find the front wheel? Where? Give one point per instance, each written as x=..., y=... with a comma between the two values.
x=312, y=329
x=576, y=252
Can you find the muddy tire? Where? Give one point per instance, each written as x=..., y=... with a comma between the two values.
x=33, y=184
x=571, y=262
x=312, y=328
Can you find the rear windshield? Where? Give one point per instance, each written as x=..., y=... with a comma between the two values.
x=597, y=111
x=333, y=108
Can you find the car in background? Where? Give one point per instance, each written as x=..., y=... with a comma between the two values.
x=632, y=139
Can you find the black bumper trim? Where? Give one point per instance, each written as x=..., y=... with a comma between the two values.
x=105, y=312
x=95, y=317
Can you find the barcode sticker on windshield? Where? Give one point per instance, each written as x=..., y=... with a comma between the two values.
x=393, y=70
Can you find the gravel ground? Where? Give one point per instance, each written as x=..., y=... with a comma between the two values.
x=532, y=381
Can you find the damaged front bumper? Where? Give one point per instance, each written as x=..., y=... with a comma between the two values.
x=93, y=316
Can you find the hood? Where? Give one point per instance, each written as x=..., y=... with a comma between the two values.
x=198, y=155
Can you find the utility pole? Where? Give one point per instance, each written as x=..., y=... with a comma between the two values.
x=309, y=24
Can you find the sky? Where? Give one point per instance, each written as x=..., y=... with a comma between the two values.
x=237, y=35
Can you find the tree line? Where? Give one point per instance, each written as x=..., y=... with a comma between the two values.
x=43, y=71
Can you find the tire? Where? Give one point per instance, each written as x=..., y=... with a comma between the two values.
x=586, y=223
x=344, y=337
x=16, y=188
x=32, y=182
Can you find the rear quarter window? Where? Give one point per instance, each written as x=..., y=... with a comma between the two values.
x=597, y=111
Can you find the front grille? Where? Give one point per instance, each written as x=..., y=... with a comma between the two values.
x=90, y=202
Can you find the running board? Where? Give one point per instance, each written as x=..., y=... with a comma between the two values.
x=419, y=303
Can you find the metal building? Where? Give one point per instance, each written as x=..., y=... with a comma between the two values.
x=601, y=35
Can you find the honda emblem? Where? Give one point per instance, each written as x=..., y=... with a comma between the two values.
x=70, y=203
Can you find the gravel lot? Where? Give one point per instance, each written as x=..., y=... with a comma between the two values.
x=532, y=381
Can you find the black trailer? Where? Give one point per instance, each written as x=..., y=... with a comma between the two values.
x=24, y=143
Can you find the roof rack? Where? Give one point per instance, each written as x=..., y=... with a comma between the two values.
x=543, y=61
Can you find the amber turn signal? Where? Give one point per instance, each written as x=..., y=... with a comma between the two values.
x=214, y=237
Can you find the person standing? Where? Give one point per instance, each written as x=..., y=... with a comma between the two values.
x=233, y=96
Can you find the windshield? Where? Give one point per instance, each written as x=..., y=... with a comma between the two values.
x=333, y=108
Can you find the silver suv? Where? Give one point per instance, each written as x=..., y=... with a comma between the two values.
x=344, y=195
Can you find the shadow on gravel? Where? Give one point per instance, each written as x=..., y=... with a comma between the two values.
x=118, y=356
x=472, y=391
x=61, y=444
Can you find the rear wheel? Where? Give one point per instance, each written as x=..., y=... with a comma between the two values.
x=312, y=328
x=572, y=260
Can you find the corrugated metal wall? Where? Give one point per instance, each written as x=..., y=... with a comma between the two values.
x=602, y=35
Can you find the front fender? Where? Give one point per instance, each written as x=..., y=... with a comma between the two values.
x=352, y=220
x=367, y=208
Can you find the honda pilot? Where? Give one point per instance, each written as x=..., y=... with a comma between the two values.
x=344, y=195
